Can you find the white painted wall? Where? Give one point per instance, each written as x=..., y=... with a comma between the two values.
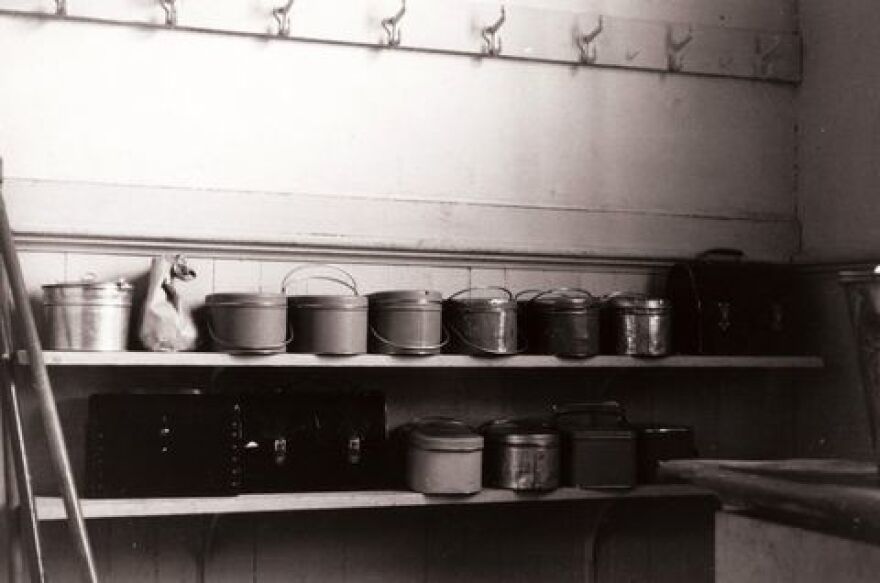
x=125, y=132
x=839, y=131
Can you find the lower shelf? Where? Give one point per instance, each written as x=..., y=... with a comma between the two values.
x=50, y=508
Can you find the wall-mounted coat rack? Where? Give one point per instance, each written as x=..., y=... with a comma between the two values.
x=465, y=29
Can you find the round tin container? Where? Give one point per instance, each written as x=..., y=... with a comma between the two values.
x=407, y=322
x=643, y=326
x=328, y=324
x=248, y=323
x=522, y=456
x=87, y=316
x=444, y=456
x=564, y=324
x=482, y=326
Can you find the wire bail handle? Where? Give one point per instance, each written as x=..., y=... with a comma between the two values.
x=444, y=340
x=392, y=28
x=499, y=288
x=281, y=14
x=491, y=38
x=350, y=282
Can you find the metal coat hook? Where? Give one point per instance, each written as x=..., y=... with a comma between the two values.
x=392, y=28
x=61, y=7
x=170, y=8
x=281, y=15
x=491, y=38
x=675, y=48
x=587, y=43
x=764, y=57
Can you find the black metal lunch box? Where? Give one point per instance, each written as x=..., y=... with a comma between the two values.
x=598, y=447
x=146, y=445
x=723, y=304
x=297, y=442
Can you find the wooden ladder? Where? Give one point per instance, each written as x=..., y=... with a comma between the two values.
x=18, y=329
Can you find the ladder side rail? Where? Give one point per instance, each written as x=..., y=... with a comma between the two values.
x=23, y=523
x=26, y=523
x=41, y=384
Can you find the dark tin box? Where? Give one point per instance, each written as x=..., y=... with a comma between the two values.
x=296, y=442
x=147, y=445
x=599, y=449
x=723, y=304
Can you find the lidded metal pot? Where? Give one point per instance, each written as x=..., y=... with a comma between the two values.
x=642, y=325
x=248, y=323
x=443, y=456
x=406, y=322
x=564, y=322
x=482, y=326
x=522, y=455
x=88, y=315
x=326, y=324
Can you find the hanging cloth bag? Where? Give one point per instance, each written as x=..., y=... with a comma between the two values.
x=167, y=324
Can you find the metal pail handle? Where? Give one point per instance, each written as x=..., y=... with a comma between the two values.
x=519, y=349
x=351, y=284
x=561, y=290
x=444, y=341
x=483, y=288
x=231, y=346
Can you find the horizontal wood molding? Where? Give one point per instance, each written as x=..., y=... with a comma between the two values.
x=87, y=217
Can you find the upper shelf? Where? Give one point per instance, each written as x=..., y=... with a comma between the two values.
x=216, y=359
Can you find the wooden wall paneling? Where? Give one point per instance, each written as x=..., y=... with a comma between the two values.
x=179, y=543
x=231, y=557
x=236, y=275
x=299, y=547
x=498, y=544
x=446, y=280
x=755, y=415
x=384, y=547
x=657, y=542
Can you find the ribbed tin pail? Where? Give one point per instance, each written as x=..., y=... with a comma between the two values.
x=87, y=316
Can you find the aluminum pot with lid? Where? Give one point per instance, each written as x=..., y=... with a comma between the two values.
x=406, y=322
x=248, y=323
x=564, y=322
x=642, y=325
x=522, y=455
x=88, y=315
x=482, y=326
x=327, y=324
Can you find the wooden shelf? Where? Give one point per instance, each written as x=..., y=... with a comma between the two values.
x=53, y=508
x=215, y=359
